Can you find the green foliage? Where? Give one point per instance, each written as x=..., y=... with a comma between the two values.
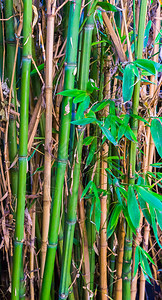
x=133, y=208
x=156, y=132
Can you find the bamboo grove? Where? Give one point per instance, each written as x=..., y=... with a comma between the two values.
x=80, y=149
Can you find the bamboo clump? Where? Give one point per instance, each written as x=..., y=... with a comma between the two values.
x=75, y=153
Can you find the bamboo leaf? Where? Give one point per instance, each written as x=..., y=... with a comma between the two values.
x=130, y=134
x=133, y=208
x=146, y=254
x=115, y=215
x=40, y=67
x=147, y=31
x=128, y=82
x=82, y=108
x=113, y=220
x=139, y=118
x=145, y=265
x=159, y=218
x=88, y=140
x=137, y=260
x=128, y=219
x=146, y=64
x=91, y=153
x=154, y=226
x=144, y=209
x=156, y=132
x=150, y=197
x=108, y=134
x=84, y=121
x=89, y=185
x=99, y=106
x=107, y=6
x=80, y=98
x=72, y=93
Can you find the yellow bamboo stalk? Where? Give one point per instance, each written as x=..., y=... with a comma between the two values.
x=48, y=131
x=150, y=149
x=83, y=231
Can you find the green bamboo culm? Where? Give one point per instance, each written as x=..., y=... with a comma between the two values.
x=66, y=110
x=10, y=53
x=23, y=140
x=73, y=198
x=126, y=291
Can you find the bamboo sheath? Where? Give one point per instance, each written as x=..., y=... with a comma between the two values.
x=134, y=126
x=48, y=131
x=23, y=140
x=70, y=66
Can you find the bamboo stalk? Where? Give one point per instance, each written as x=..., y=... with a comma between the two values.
x=10, y=59
x=19, y=230
x=85, y=244
x=72, y=201
x=48, y=132
x=133, y=146
x=71, y=57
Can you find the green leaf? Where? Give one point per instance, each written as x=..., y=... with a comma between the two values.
x=40, y=67
x=145, y=265
x=126, y=214
x=156, y=165
x=107, y=6
x=108, y=134
x=146, y=64
x=89, y=185
x=80, y=98
x=144, y=209
x=154, y=226
x=97, y=209
x=72, y=93
x=159, y=218
x=139, y=118
x=88, y=140
x=133, y=208
x=115, y=215
x=99, y=106
x=145, y=253
x=113, y=220
x=150, y=197
x=91, y=86
x=128, y=82
x=158, y=37
x=34, y=151
x=82, y=107
x=137, y=260
x=84, y=121
x=130, y=134
x=156, y=132
x=147, y=30
x=91, y=153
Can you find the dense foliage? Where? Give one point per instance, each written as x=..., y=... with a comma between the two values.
x=80, y=149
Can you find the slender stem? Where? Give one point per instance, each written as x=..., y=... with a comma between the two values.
x=72, y=201
x=133, y=147
x=70, y=65
x=11, y=44
x=23, y=140
x=48, y=131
